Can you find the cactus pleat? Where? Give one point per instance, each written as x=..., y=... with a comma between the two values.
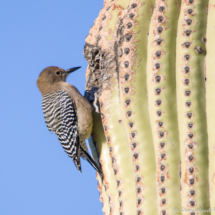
x=210, y=98
x=190, y=83
x=162, y=103
x=100, y=149
x=132, y=48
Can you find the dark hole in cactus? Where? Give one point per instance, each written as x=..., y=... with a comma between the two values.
x=187, y=32
x=157, y=91
x=191, y=158
x=163, y=201
x=100, y=28
x=129, y=113
x=108, y=138
x=191, y=1
x=129, y=25
x=110, y=209
x=163, y=156
x=192, y=192
x=160, y=124
x=120, y=121
x=188, y=104
x=120, y=52
x=133, y=5
x=199, y=50
x=163, y=212
x=189, y=11
x=161, y=8
x=126, y=77
x=159, y=29
x=126, y=64
x=135, y=155
x=186, y=44
x=189, y=21
x=126, y=89
x=159, y=113
x=162, y=178
x=120, y=192
x=192, y=213
x=190, y=125
x=205, y=79
x=118, y=183
x=121, y=30
x=110, y=149
x=160, y=19
x=163, y=190
x=137, y=167
x=115, y=171
x=109, y=198
x=120, y=203
x=204, y=40
x=162, y=145
x=102, y=116
x=133, y=134
x=121, y=213
x=191, y=170
x=105, y=127
x=186, y=81
x=192, y=203
x=121, y=40
x=138, y=190
x=162, y=167
x=157, y=78
x=189, y=115
x=186, y=69
x=104, y=17
x=138, y=201
x=138, y=179
x=113, y=159
x=128, y=37
x=161, y=134
x=190, y=146
x=134, y=145
x=131, y=124
x=157, y=66
x=180, y=174
x=105, y=187
x=126, y=50
x=159, y=41
x=186, y=56
x=158, y=54
x=190, y=135
x=187, y=93
x=139, y=212
x=191, y=181
x=127, y=102
x=158, y=102
x=108, y=8
x=131, y=16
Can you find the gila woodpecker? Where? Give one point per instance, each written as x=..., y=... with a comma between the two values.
x=67, y=113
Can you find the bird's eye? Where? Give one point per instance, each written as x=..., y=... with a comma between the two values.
x=58, y=72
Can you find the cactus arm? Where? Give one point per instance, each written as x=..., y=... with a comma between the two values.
x=210, y=98
x=191, y=105
x=162, y=103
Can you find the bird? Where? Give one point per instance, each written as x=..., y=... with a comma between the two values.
x=67, y=113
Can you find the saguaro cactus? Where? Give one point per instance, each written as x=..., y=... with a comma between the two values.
x=146, y=75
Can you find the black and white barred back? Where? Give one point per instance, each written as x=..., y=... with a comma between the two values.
x=61, y=118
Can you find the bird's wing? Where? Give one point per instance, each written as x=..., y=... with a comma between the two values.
x=60, y=116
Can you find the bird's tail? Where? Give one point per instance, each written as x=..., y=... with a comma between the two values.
x=77, y=163
x=85, y=155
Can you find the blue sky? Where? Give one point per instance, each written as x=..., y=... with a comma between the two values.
x=36, y=175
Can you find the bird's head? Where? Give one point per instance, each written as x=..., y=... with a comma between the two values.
x=52, y=75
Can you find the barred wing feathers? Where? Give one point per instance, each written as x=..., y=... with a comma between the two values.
x=60, y=117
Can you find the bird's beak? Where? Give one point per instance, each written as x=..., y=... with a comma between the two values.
x=68, y=71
